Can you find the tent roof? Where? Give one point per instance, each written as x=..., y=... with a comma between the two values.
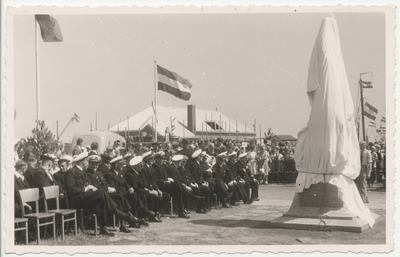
x=166, y=113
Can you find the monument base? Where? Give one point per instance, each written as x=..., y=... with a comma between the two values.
x=329, y=216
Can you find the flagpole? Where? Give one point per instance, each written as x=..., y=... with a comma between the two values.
x=155, y=99
x=37, y=71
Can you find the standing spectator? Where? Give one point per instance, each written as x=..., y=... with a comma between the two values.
x=252, y=162
x=374, y=157
x=262, y=165
x=361, y=180
x=78, y=148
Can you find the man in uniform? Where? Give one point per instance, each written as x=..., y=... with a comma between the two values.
x=105, y=163
x=43, y=178
x=141, y=195
x=83, y=195
x=245, y=175
x=186, y=150
x=97, y=180
x=166, y=184
x=197, y=170
x=63, y=164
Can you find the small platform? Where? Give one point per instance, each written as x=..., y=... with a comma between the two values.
x=320, y=218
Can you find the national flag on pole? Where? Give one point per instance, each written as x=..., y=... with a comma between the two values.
x=76, y=117
x=383, y=122
x=371, y=124
x=49, y=28
x=370, y=111
x=173, y=83
x=366, y=84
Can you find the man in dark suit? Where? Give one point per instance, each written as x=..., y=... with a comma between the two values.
x=185, y=148
x=63, y=164
x=189, y=193
x=81, y=194
x=31, y=170
x=148, y=175
x=19, y=184
x=166, y=184
x=243, y=185
x=140, y=194
x=78, y=148
x=196, y=169
x=105, y=163
x=97, y=179
x=43, y=178
x=245, y=174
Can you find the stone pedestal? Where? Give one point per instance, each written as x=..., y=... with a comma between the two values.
x=320, y=208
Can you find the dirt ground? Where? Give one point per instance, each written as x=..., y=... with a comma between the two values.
x=240, y=225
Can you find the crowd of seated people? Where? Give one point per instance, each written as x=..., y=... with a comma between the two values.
x=136, y=184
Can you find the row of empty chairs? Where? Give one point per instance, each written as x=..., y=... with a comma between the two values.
x=48, y=217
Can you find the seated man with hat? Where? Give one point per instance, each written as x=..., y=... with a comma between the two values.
x=186, y=150
x=97, y=180
x=139, y=196
x=64, y=164
x=237, y=191
x=197, y=171
x=82, y=194
x=43, y=178
x=148, y=175
x=167, y=184
x=105, y=163
x=244, y=174
x=189, y=192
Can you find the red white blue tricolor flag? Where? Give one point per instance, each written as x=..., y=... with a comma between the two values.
x=173, y=83
x=49, y=28
x=370, y=111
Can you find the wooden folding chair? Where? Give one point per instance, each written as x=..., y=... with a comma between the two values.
x=32, y=195
x=53, y=192
x=20, y=221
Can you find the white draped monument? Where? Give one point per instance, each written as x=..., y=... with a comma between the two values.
x=327, y=153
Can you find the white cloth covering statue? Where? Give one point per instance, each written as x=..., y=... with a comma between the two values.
x=328, y=149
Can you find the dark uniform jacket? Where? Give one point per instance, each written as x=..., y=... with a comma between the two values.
x=196, y=171
x=134, y=180
x=19, y=184
x=75, y=181
x=97, y=179
x=41, y=179
x=148, y=173
x=242, y=171
x=174, y=173
x=117, y=181
x=232, y=168
x=29, y=174
x=103, y=168
x=161, y=174
x=59, y=179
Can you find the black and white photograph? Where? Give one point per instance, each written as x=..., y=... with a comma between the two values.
x=253, y=128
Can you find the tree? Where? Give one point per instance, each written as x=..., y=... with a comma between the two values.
x=42, y=140
x=268, y=136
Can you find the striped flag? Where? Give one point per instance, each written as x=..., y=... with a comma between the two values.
x=370, y=111
x=366, y=84
x=49, y=28
x=173, y=83
x=371, y=124
x=383, y=122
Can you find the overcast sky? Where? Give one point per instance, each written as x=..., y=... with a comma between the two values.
x=249, y=66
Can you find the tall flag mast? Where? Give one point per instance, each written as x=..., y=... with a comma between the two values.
x=50, y=32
